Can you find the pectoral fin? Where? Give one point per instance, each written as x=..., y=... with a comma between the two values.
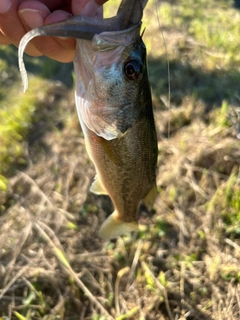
x=150, y=198
x=110, y=151
x=97, y=187
x=88, y=149
x=113, y=228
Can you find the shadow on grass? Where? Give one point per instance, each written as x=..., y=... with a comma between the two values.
x=211, y=87
x=48, y=114
x=237, y=4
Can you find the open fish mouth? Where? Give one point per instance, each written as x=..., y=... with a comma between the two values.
x=81, y=27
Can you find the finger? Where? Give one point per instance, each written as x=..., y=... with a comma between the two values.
x=61, y=49
x=32, y=14
x=3, y=39
x=10, y=24
x=53, y=5
x=35, y=14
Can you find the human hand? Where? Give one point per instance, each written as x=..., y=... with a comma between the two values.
x=19, y=16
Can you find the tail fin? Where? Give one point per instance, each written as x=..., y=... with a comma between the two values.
x=113, y=228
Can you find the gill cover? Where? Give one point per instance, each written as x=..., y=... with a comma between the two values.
x=100, y=85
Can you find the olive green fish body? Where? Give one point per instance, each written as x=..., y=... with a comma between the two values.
x=113, y=102
x=126, y=166
x=125, y=163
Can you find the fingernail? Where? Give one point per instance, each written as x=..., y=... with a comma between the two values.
x=32, y=18
x=5, y=6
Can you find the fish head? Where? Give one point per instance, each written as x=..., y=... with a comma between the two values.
x=81, y=27
x=111, y=75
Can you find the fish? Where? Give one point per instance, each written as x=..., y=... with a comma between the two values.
x=114, y=106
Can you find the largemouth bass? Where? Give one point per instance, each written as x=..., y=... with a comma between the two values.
x=114, y=106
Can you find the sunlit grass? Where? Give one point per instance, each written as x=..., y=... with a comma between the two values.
x=181, y=258
x=16, y=118
x=215, y=37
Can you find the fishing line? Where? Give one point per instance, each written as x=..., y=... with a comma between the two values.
x=168, y=67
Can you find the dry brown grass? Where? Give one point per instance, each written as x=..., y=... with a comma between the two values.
x=184, y=263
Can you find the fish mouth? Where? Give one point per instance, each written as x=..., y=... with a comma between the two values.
x=81, y=27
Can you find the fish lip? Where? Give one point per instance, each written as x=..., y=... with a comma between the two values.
x=105, y=41
x=126, y=30
x=137, y=25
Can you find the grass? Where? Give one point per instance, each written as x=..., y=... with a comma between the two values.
x=18, y=111
x=184, y=262
x=16, y=120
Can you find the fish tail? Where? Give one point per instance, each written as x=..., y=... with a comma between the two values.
x=112, y=227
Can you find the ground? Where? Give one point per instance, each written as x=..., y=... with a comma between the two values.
x=184, y=262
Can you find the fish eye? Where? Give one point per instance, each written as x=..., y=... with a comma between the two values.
x=132, y=69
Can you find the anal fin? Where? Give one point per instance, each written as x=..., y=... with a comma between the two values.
x=110, y=151
x=88, y=150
